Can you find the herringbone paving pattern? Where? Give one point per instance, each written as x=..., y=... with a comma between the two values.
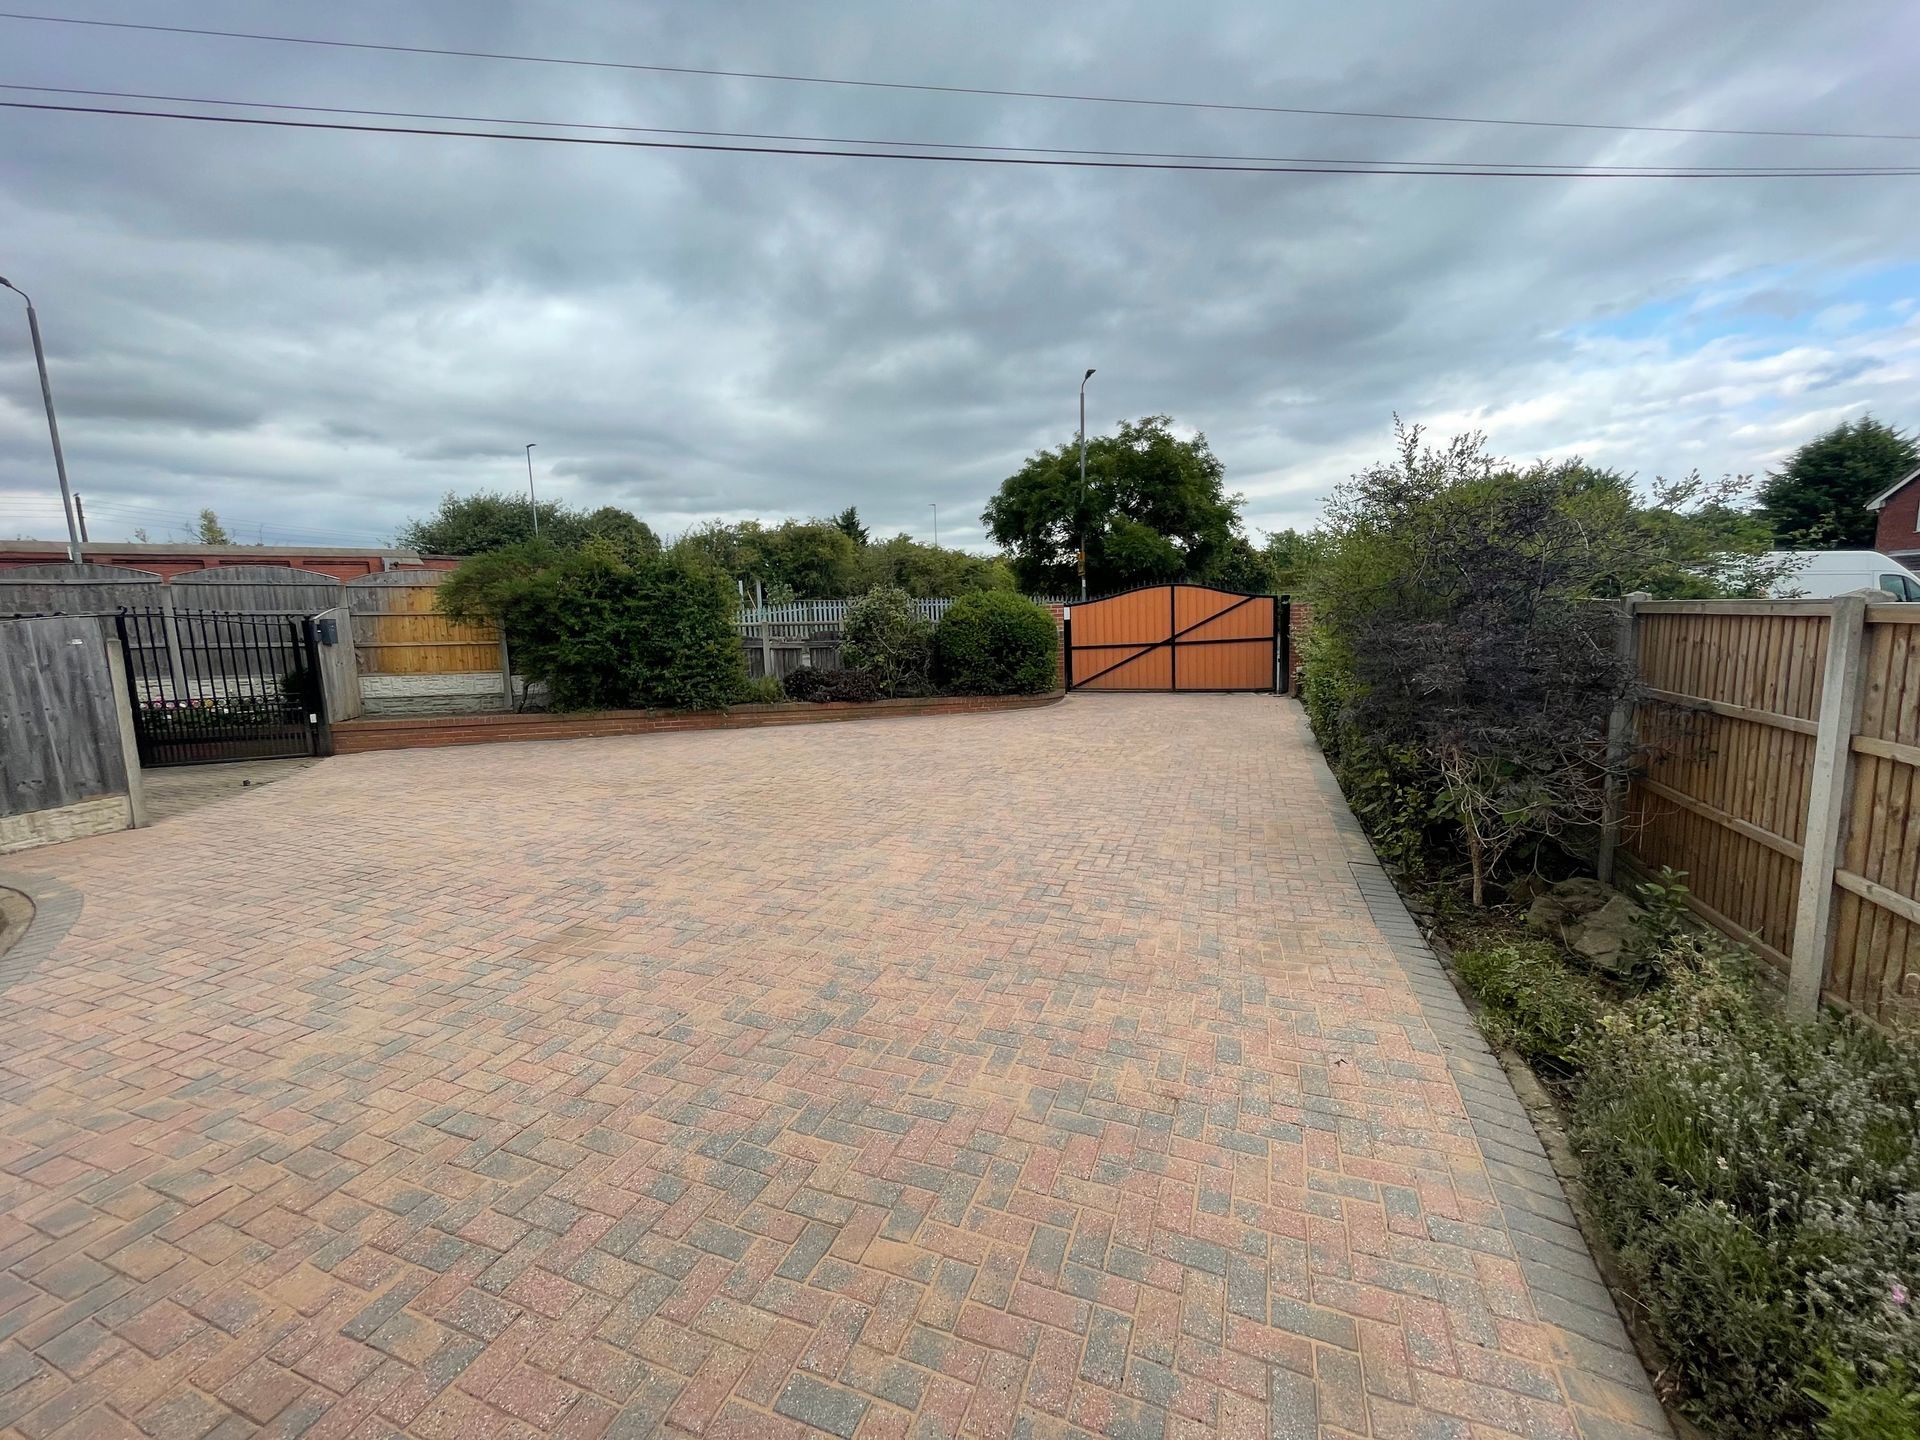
x=1034, y=1074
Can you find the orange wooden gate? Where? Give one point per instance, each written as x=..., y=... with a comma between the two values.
x=1176, y=637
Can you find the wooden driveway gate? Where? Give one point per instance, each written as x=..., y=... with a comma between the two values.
x=1177, y=637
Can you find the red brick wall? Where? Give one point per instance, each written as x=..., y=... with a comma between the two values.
x=342, y=565
x=1300, y=623
x=1060, y=641
x=1899, y=529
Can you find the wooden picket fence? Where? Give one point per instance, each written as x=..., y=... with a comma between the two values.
x=1782, y=775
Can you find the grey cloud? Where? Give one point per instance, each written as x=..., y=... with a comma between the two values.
x=330, y=331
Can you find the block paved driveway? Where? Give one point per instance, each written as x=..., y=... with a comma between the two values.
x=1030, y=1074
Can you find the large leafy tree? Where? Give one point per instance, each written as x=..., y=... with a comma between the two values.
x=794, y=560
x=491, y=520
x=1154, y=508
x=1818, y=500
x=929, y=570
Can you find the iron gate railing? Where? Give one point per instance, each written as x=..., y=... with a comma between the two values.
x=210, y=685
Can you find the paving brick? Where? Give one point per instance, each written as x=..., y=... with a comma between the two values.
x=1023, y=1074
x=825, y=1407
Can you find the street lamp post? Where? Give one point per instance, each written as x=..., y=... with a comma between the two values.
x=533, y=505
x=1083, y=483
x=53, y=425
x=934, y=506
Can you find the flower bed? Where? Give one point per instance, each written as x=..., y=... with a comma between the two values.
x=1757, y=1180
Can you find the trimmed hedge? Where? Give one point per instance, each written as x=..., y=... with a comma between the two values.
x=996, y=643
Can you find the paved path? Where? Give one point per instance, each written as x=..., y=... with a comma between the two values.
x=1028, y=1074
x=183, y=789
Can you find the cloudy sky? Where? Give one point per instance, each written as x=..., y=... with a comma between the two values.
x=318, y=333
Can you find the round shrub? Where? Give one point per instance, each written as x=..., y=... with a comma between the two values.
x=885, y=636
x=996, y=643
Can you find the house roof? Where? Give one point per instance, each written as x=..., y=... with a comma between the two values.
x=1893, y=489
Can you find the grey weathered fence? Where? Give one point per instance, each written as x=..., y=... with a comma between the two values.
x=67, y=765
x=67, y=589
x=257, y=589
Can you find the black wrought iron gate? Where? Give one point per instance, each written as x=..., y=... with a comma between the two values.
x=211, y=685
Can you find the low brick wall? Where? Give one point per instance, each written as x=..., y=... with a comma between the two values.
x=429, y=731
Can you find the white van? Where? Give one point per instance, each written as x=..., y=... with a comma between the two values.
x=1827, y=573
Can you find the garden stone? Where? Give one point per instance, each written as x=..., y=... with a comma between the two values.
x=1568, y=900
x=1605, y=938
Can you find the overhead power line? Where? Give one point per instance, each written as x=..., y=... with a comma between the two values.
x=1411, y=165
x=1486, y=172
x=976, y=90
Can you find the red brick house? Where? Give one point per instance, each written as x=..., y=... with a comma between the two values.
x=1898, y=534
x=166, y=561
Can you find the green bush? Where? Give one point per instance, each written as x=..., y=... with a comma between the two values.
x=764, y=690
x=994, y=643
x=1533, y=1000
x=604, y=632
x=1854, y=1409
x=885, y=636
x=822, y=686
x=1760, y=1181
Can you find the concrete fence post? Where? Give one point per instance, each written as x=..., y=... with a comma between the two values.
x=1827, y=788
x=1626, y=645
x=129, y=741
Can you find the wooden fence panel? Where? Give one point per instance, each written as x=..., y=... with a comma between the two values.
x=1730, y=725
x=1875, y=963
x=397, y=630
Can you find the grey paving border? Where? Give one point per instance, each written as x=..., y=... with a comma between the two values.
x=56, y=905
x=1605, y=1382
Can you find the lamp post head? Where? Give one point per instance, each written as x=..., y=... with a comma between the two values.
x=6, y=284
x=1086, y=377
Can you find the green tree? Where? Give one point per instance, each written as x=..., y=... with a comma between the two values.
x=1461, y=672
x=210, y=531
x=630, y=536
x=1154, y=508
x=847, y=522
x=928, y=571
x=813, y=558
x=1818, y=500
x=491, y=519
x=1290, y=555
x=1242, y=566
x=794, y=560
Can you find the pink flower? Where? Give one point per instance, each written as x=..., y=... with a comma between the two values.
x=1897, y=1294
